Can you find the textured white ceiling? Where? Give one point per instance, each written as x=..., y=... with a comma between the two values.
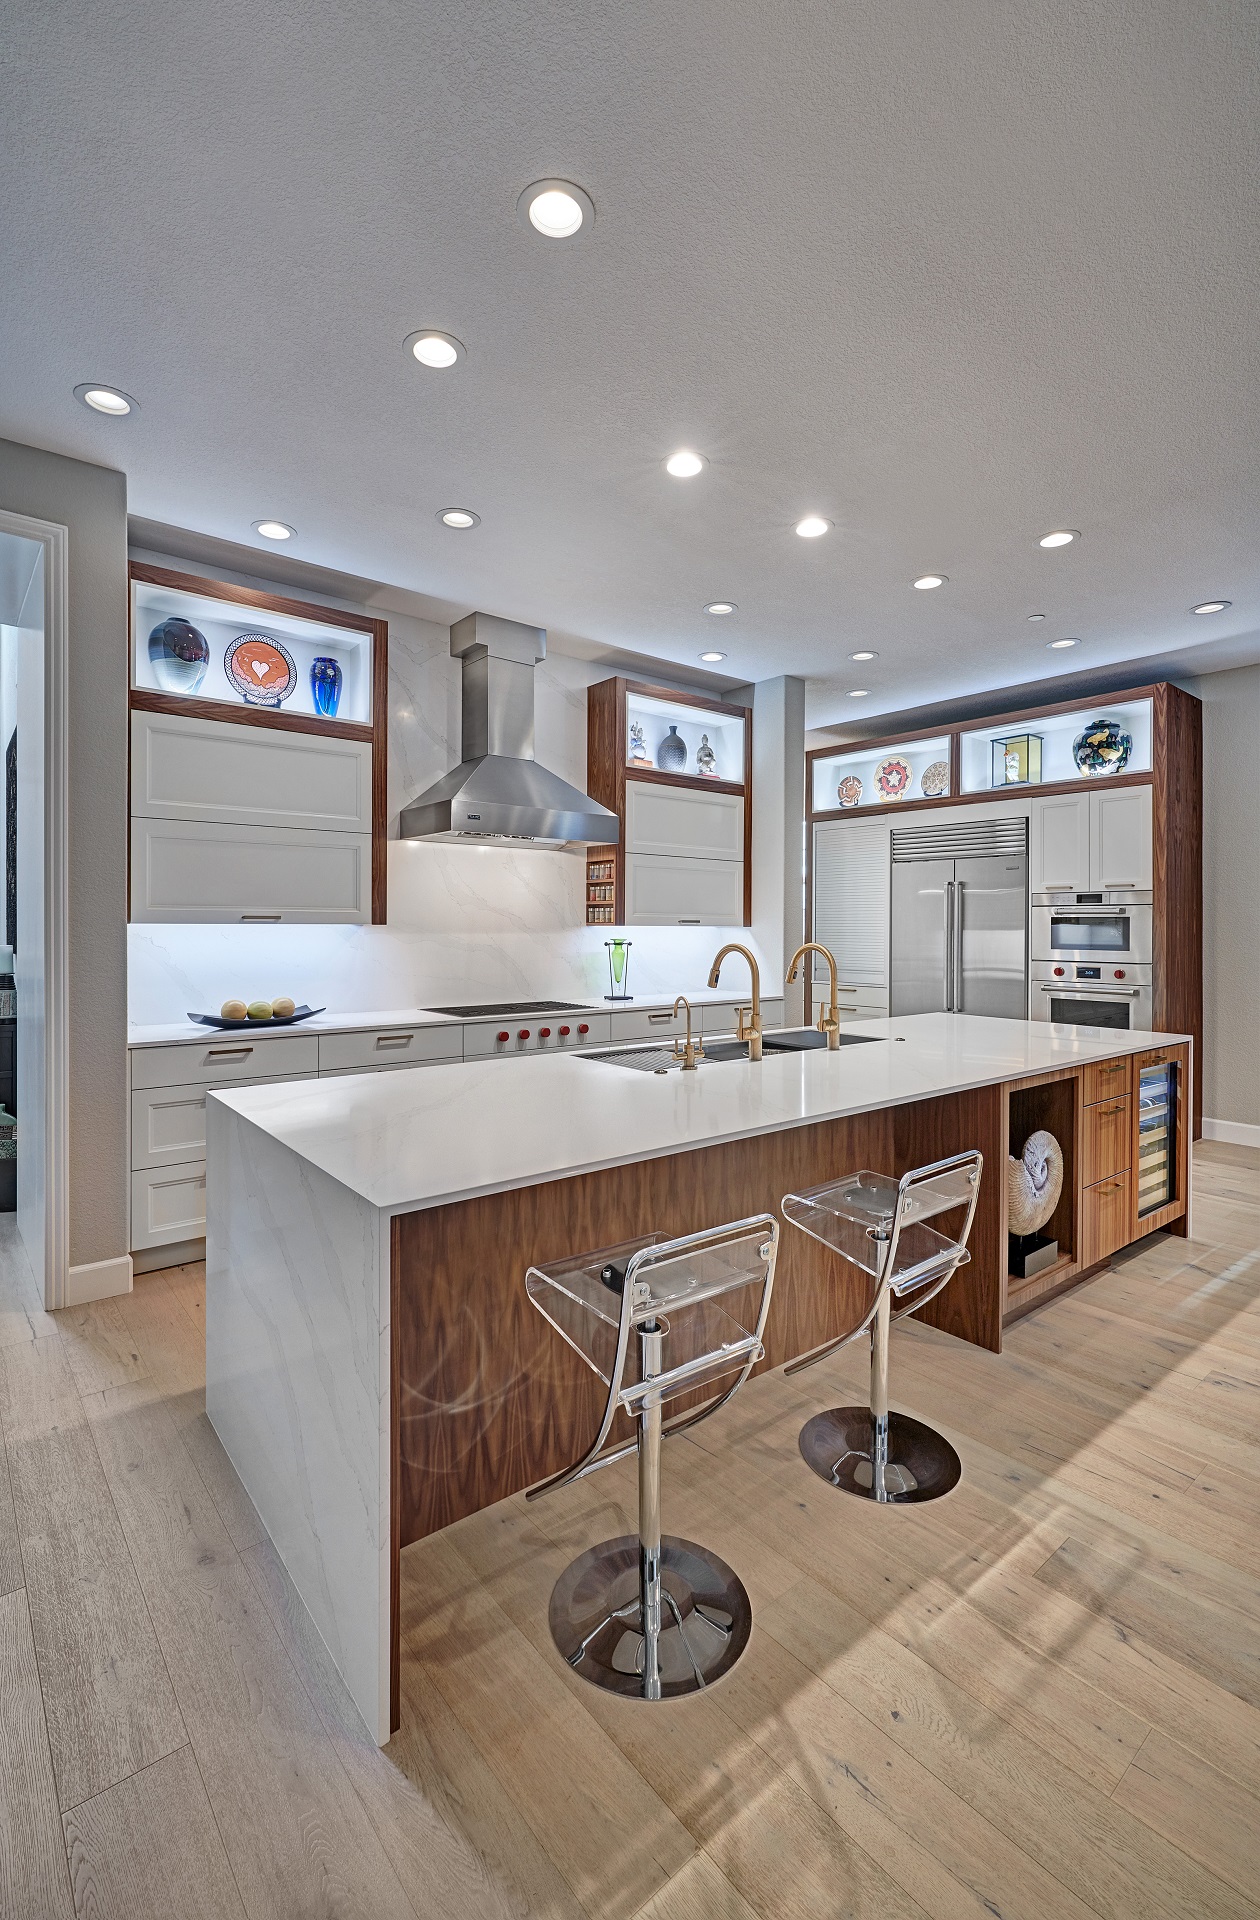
x=949, y=272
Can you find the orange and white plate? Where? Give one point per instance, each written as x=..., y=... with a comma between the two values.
x=893, y=778
x=261, y=670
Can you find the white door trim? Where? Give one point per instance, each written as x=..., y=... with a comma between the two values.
x=55, y=541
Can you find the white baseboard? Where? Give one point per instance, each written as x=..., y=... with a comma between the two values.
x=98, y=1280
x=1238, y=1133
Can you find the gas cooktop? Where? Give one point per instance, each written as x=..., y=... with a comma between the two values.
x=501, y=1009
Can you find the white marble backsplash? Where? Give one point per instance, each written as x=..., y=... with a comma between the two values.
x=465, y=923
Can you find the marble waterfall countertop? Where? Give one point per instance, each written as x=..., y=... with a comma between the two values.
x=403, y=1141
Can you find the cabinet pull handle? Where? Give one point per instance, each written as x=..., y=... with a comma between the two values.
x=260, y=916
x=1118, y=1108
x=229, y=1053
x=656, y=1018
x=394, y=1039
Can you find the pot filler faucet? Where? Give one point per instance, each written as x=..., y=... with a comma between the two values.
x=751, y=1032
x=828, y=1016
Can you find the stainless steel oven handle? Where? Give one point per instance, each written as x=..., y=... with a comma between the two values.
x=1093, y=993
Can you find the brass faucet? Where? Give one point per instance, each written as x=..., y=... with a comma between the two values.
x=750, y=1030
x=693, y=1051
x=828, y=1016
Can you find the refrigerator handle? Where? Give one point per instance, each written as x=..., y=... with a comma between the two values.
x=947, y=895
x=957, y=968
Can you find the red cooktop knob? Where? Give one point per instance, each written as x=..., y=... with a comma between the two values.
x=523, y=1034
x=564, y=1033
x=503, y=1036
x=544, y=1033
x=1058, y=973
x=1119, y=973
x=583, y=1028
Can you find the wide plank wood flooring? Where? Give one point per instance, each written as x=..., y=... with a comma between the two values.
x=1038, y=1699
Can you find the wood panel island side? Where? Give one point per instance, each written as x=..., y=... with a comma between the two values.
x=373, y=1366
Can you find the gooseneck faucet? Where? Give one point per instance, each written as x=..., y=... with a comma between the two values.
x=750, y=1031
x=828, y=1016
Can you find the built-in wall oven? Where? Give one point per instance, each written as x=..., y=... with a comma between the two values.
x=1091, y=959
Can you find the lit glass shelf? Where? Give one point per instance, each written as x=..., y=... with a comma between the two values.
x=274, y=657
x=1056, y=734
x=694, y=734
x=874, y=776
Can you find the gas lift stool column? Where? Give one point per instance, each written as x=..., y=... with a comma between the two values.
x=652, y=1616
x=877, y=1224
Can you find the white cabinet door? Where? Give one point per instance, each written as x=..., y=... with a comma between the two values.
x=168, y=1203
x=184, y=769
x=684, y=820
x=168, y=1124
x=852, y=903
x=673, y=890
x=196, y=870
x=1059, y=836
x=1120, y=838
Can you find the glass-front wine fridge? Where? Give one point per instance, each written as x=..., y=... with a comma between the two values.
x=1157, y=1137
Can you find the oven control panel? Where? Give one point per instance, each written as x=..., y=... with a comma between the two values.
x=541, y=1033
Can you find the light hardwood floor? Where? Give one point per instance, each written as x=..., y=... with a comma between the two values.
x=1039, y=1697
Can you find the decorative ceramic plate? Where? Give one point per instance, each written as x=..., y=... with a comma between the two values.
x=849, y=792
x=276, y=1020
x=1104, y=747
x=261, y=670
x=893, y=777
x=935, y=779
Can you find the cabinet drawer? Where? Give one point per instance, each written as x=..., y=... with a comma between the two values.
x=168, y=1203
x=168, y=1124
x=389, y=1047
x=1107, y=1142
x=721, y=1019
x=677, y=891
x=199, y=871
x=227, y=1060
x=652, y=1023
x=1105, y=1080
x=682, y=820
x=186, y=769
x=1105, y=1222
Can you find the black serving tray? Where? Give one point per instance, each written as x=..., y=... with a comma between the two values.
x=255, y=1026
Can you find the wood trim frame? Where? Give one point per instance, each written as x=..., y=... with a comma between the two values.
x=607, y=773
x=1177, y=855
x=376, y=734
x=991, y=794
x=395, y=1480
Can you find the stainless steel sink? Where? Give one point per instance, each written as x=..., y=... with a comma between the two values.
x=661, y=1059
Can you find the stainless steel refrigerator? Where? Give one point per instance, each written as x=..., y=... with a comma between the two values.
x=960, y=920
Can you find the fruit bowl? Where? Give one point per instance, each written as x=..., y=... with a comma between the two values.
x=276, y=1020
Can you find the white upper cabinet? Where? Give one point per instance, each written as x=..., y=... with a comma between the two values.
x=191, y=769
x=1091, y=842
x=675, y=890
x=684, y=820
x=197, y=870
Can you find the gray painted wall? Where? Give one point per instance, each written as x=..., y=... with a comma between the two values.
x=92, y=503
x=1231, y=893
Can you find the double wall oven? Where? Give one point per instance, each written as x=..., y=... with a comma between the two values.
x=1091, y=958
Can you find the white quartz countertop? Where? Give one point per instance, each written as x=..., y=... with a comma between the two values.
x=176, y=1033
x=405, y=1141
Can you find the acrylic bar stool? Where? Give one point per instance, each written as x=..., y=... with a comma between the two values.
x=877, y=1224
x=651, y=1617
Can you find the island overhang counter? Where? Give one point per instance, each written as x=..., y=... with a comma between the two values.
x=373, y=1367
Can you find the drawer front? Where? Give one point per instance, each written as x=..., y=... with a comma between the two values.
x=203, y=872
x=1105, y=1225
x=656, y=1023
x=1107, y=1140
x=683, y=820
x=227, y=1060
x=168, y=1124
x=389, y=1047
x=721, y=1019
x=1105, y=1080
x=168, y=1203
x=678, y=891
x=186, y=769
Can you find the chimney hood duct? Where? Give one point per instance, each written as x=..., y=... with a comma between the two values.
x=498, y=791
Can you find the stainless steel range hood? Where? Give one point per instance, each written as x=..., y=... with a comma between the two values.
x=498, y=791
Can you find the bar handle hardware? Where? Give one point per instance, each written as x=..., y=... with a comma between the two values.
x=260, y=916
x=229, y=1053
x=659, y=1019
x=394, y=1039
x=1118, y=1108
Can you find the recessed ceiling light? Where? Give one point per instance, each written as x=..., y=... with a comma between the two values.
x=110, y=400
x=859, y=693
x=1036, y=616
x=459, y=519
x=711, y=659
x=274, y=529
x=556, y=209
x=1063, y=538
x=684, y=465
x=867, y=655
x=926, y=581
x=1212, y=606
x=812, y=526
x=1056, y=644
x=433, y=349
x=720, y=607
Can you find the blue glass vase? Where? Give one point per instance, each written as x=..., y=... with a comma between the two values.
x=326, y=685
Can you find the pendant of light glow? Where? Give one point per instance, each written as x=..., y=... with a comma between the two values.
x=720, y=608
x=926, y=581
x=813, y=526
x=556, y=209
x=459, y=519
x=1057, y=646
x=684, y=465
x=712, y=657
x=434, y=349
x=274, y=529
x=1211, y=606
x=108, y=400
x=1062, y=538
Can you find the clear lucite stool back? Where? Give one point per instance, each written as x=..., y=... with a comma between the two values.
x=653, y=1616
x=879, y=1225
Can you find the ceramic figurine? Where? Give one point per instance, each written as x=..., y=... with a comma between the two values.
x=179, y=654
x=671, y=755
x=326, y=685
x=638, y=746
x=706, y=759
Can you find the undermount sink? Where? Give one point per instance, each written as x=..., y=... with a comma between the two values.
x=661, y=1059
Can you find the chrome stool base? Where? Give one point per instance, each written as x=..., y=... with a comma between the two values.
x=706, y=1617
x=922, y=1465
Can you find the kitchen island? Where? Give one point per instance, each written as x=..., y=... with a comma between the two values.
x=373, y=1367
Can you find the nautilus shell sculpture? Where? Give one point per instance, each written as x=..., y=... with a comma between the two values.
x=1033, y=1183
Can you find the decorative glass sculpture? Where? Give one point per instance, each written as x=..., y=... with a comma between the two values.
x=671, y=755
x=1017, y=760
x=1103, y=748
x=618, y=968
x=179, y=654
x=326, y=685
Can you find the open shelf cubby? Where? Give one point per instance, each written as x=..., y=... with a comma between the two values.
x=1050, y=1107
